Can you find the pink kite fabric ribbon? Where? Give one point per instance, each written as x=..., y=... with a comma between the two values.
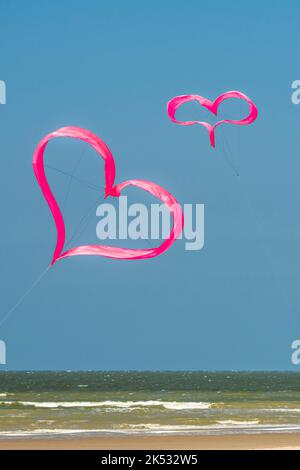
x=110, y=190
x=212, y=106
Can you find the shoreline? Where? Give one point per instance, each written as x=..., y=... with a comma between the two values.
x=269, y=441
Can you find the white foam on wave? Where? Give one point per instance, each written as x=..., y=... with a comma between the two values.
x=170, y=405
x=230, y=422
x=43, y=432
x=284, y=410
x=175, y=405
x=157, y=429
x=225, y=427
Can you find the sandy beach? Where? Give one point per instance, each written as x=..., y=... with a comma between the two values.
x=224, y=442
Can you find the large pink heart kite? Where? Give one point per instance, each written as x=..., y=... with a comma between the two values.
x=110, y=190
x=212, y=106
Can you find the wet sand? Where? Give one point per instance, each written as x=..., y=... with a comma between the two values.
x=225, y=442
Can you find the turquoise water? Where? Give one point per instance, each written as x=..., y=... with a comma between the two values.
x=67, y=403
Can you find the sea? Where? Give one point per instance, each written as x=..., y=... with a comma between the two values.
x=66, y=404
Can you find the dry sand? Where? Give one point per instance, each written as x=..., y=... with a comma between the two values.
x=235, y=442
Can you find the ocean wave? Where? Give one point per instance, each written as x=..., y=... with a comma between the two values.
x=284, y=410
x=157, y=429
x=222, y=427
x=190, y=428
x=170, y=405
x=233, y=422
x=45, y=432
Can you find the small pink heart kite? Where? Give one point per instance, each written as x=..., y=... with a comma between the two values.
x=110, y=190
x=212, y=106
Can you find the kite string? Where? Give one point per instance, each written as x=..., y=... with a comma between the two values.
x=23, y=296
x=29, y=290
x=76, y=165
x=72, y=176
x=44, y=271
x=76, y=233
x=85, y=218
x=83, y=223
x=227, y=158
x=233, y=161
x=79, y=180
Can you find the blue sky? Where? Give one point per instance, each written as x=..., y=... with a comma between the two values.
x=111, y=67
